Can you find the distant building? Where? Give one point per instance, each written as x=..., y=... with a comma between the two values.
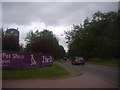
x=12, y=31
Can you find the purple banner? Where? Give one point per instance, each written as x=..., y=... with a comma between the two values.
x=22, y=59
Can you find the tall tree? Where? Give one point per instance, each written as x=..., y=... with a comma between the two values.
x=99, y=37
x=10, y=43
x=43, y=42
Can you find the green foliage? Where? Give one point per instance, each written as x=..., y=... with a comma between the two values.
x=10, y=43
x=98, y=37
x=110, y=62
x=44, y=42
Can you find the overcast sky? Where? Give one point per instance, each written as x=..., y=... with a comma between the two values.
x=54, y=16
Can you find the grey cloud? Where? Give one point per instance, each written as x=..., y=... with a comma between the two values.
x=119, y=5
x=51, y=13
x=0, y=14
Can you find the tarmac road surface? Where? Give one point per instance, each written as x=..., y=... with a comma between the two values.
x=87, y=76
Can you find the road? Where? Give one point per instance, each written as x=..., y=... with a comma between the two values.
x=93, y=76
x=108, y=73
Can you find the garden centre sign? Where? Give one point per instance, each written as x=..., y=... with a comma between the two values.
x=22, y=59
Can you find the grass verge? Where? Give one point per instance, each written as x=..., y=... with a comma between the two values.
x=53, y=71
x=110, y=62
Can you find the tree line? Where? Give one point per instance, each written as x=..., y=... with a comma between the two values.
x=98, y=37
x=44, y=42
x=37, y=42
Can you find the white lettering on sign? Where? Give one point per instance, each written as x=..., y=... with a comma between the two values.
x=51, y=59
x=4, y=55
x=43, y=60
x=33, y=62
x=47, y=59
x=15, y=56
x=12, y=56
x=4, y=61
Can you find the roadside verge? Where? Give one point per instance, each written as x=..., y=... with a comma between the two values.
x=54, y=71
x=72, y=71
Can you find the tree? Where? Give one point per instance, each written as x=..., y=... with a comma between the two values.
x=43, y=42
x=61, y=52
x=10, y=43
x=99, y=37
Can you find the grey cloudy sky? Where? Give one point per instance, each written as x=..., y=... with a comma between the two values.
x=54, y=16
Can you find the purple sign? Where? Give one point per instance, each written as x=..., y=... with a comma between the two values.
x=22, y=59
